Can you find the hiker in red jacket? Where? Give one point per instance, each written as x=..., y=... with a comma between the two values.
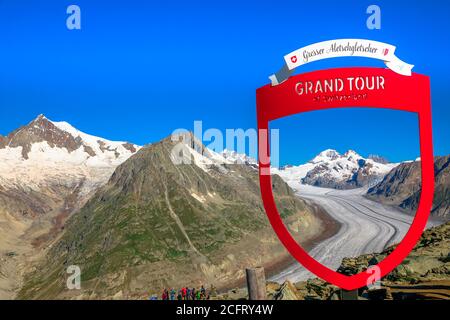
x=183, y=293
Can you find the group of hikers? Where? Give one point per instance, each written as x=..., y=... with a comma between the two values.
x=185, y=293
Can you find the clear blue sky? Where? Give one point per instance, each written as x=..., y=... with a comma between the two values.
x=139, y=69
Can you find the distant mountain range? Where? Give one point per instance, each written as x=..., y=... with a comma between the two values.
x=330, y=169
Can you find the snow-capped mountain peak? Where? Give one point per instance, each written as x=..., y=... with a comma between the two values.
x=237, y=158
x=349, y=170
x=192, y=150
x=334, y=170
x=331, y=155
x=326, y=155
x=65, y=143
x=43, y=150
x=106, y=151
x=350, y=154
x=40, y=117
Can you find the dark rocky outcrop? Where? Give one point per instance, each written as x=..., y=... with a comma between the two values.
x=402, y=187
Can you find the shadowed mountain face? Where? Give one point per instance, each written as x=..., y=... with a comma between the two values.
x=402, y=187
x=156, y=224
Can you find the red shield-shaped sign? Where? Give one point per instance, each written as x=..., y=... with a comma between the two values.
x=347, y=87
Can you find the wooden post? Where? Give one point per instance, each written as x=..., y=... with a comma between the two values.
x=349, y=295
x=256, y=283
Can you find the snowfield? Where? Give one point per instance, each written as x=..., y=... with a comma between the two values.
x=366, y=227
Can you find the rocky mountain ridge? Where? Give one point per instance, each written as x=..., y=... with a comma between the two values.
x=402, y=186
x=158, y=223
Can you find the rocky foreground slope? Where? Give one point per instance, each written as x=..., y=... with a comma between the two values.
x=424, y=274
x=158, y=224
x=402, y=186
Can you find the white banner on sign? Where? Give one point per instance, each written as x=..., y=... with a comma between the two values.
x=341, y=48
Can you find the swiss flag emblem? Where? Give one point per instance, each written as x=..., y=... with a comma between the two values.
x=294, y=59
